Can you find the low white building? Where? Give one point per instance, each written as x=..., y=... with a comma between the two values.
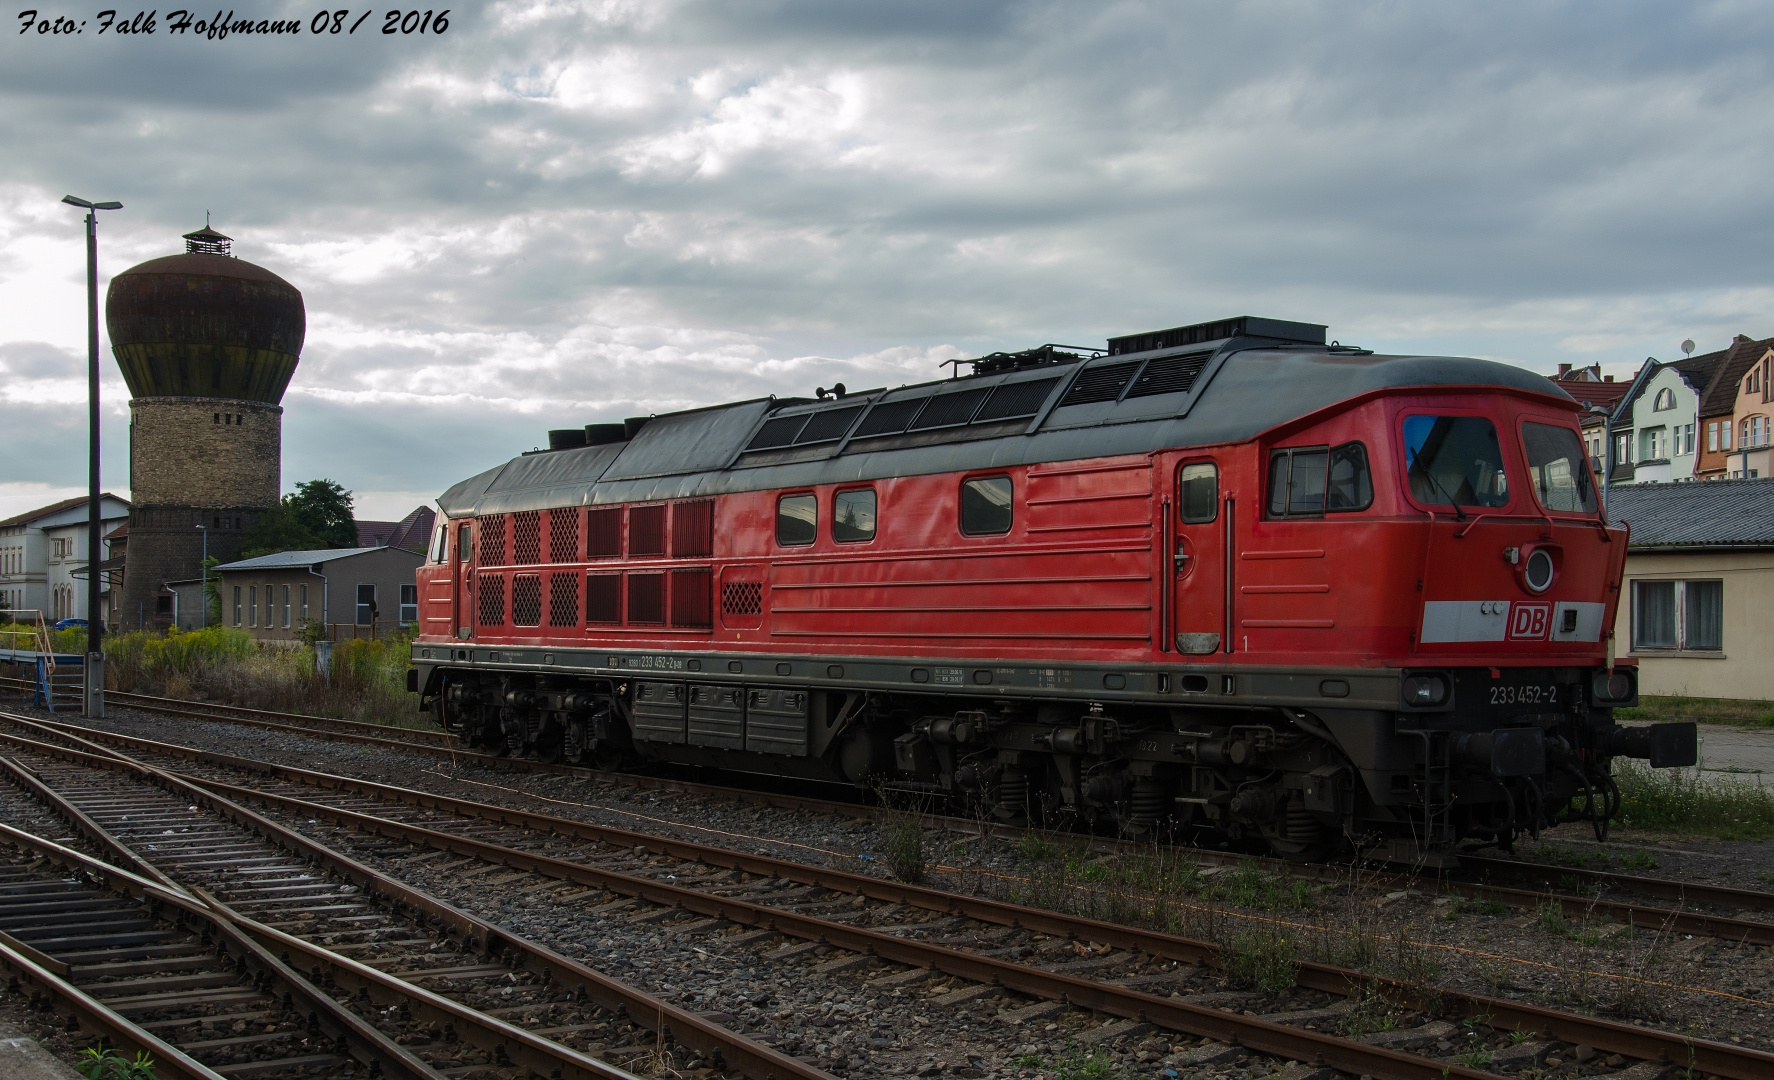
x=43, y=557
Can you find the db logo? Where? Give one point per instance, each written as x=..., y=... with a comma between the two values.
x=1529, y=622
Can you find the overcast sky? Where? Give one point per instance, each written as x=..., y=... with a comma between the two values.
x=555, y=213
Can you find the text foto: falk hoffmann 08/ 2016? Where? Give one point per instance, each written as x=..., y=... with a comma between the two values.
x=223, y=24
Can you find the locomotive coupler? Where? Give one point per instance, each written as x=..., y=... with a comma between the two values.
x=1667, y=746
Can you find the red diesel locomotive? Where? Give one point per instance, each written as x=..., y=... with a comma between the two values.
x=1221, y=577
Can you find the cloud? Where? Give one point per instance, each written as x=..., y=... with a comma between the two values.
x=561, y=211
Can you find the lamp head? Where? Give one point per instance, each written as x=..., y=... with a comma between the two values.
x=74, y=200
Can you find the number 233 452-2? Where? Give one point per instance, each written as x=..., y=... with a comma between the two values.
x=1524, y=695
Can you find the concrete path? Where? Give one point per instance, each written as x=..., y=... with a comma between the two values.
x=1735, y=749
x=22, y=1059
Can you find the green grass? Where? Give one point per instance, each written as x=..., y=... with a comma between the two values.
x=1737, y=712
x=1673, y=800
x=1467, y=906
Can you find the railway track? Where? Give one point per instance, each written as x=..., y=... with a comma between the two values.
x=396, y=979
x=1692, y=908
x=705, y=898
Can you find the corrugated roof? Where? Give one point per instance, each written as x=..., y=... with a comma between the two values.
x=1711, y=513
x=285, y=559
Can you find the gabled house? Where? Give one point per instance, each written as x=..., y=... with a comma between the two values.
x=1599, y=395
x=1720, y=434
x=43, y=557
x=1752, y=410
x=1656, y=425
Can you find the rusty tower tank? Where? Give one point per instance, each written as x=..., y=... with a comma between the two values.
x=207, y=344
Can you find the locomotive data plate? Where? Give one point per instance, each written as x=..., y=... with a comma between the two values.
x=1503, y=694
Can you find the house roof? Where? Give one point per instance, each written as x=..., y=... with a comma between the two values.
x=1588, y=387
x=284, y=560
x=56, y=508
x=1703, y=514
x=1720, y=397
x=412, y=532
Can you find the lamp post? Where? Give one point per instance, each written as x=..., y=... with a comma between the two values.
x=95, y=657
x=203, y=589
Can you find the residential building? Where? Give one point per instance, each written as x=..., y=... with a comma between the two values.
x=1718, y=406
x=43, y=556
x=412, y=532
x=1752, y=407
x=354, y=591
x=1698, y=588
x=1657, y=423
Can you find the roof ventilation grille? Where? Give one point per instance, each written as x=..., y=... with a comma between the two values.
x=1169, y=375
x=1100, y=384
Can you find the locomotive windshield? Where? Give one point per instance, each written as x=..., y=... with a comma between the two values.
x=1557, y=468
x=1455, y=461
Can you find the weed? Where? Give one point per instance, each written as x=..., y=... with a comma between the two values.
x=1551, y=918
x=1490, y=909
x=1249, y=886
x=903, y=839
x=1496, y=976
x=1679, y=801
x=1415, y=962
x=1519, y=1036
x=1478, y=1056
x=104, y=1063
x=1033, y=847
x=1262, y=961
x=1097, y=1066
x=1766, y=877
x=1030, y=1061
x=1734, y=711
x=1640, y=860
x=1370, y=1011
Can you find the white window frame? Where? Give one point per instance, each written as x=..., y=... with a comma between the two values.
x=1681, y=646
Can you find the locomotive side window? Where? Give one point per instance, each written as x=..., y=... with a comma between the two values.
x=1198, y=493
x=439, y=540
x=853, y=516
x=1455, y=461
x=986, y=506
x=797, y=520
x=1557, y=468
x=464, y=542
x=1314, y=481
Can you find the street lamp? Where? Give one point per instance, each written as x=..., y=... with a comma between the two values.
x=203, y=589
x=95, y=657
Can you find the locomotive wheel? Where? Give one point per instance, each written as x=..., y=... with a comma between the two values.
x=551, y=745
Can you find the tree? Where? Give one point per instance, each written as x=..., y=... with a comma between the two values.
x=316, y=515
x=324, y=508
x=277, y=530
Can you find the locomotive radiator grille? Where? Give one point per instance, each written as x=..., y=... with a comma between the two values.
x=691, y=599
x=491, y=603
x=492, y=540
x=692, y=529
x=526, y=546
x=563, y=536
x=526, y=600
x=646, y=598
x=1169, y=375
x=563, y=600
x=742, y=598
x=1101, y=384
x=603, y=532
x=603, y=598
x=646, y=530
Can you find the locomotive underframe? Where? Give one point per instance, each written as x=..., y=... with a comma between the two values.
x=1240, y=753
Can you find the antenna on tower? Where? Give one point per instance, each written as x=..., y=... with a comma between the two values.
x=1688, y=347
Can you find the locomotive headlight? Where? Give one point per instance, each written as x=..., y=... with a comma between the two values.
x=1425, y=691
x=1615, y=689
x=1539, y=571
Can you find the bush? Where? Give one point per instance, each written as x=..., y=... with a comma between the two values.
x=222, y=664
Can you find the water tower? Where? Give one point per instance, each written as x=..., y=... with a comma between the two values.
x=207, y=343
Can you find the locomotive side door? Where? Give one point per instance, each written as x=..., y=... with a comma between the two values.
x=464, y=575
x=1196, y=528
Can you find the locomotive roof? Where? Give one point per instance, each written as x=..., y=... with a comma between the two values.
x=1198, y=394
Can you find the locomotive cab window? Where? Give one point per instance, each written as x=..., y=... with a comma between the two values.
x=1557, y=468
x=1312, y=481
x=1455, y=461
x=986, y=506
x=797, y=520
x=853, y=516
x=439, y=540
x=463, y=542
x=1198, y=493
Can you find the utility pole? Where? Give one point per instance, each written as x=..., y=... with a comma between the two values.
x=94, y=698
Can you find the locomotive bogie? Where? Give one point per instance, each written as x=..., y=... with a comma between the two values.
x=1246, y=586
